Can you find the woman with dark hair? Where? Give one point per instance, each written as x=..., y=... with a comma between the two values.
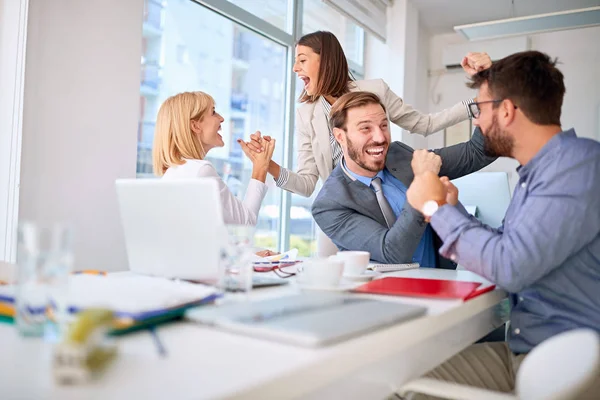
x=321, y=64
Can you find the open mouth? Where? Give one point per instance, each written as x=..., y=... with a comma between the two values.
x=376, y=152
x=306, y=80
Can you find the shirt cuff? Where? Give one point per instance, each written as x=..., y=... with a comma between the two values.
x=466, y=104
x=284, y=175
x=446, y=221
x=255, y=193
x=462, y=209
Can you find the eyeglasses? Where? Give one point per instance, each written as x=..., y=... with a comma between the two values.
x=476, y=111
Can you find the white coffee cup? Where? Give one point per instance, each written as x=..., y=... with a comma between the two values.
x=355, y=262
x=320, y=272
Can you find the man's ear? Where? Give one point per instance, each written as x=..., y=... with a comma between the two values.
x=508, y=111
x=340, y=136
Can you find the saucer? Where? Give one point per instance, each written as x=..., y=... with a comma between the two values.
x=341, y=287
x=365, y=276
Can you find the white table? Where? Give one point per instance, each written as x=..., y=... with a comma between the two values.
x=208, y=363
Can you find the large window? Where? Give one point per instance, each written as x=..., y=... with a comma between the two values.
x=196, y=45
x=319, y=16
x=274, y=12
x=243, y=71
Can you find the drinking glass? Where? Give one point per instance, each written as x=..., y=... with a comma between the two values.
x=237, y=255
x=44, y=262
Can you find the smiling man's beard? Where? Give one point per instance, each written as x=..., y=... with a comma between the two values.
x=356, y=155
x=497, y=143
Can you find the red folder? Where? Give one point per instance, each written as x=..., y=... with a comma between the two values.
x=421, y=287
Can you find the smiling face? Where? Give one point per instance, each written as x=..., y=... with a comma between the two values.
x=207, y=130
x=306, y=67
x=365, y=140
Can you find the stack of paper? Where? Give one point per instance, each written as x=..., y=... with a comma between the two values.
x=133, y=298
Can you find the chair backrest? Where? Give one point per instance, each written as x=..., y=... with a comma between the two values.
x=489, y=191
x=325, y=246
x=561, y=367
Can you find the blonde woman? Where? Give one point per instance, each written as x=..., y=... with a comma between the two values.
x=187, y=128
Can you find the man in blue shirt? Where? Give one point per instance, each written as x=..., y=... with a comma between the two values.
x=547, y=251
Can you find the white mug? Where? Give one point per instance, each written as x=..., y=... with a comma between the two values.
x=320, y=272
x=355, y=262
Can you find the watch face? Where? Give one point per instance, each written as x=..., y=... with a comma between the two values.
x=430, y=207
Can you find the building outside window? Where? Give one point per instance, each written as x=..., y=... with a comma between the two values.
x=189, y=47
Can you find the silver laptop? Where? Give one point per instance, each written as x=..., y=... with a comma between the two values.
x=307, y=319
x=173, y=228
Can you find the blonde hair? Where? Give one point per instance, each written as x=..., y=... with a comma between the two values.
x=174, y=140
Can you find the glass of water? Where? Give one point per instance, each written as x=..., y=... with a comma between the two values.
x=44, y=262
x=237, y=255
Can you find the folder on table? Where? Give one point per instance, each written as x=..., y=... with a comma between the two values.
x=137, y=301
x=421, y=287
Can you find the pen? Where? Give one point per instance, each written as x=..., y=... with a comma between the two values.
x=275, y=262
x=90, y=272
x=159, y=346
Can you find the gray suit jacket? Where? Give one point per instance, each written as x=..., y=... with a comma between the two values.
x=348, y=213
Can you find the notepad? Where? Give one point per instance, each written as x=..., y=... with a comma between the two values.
x=392, y=267
x=134, y=299
x=420, y=287
x=135, y=296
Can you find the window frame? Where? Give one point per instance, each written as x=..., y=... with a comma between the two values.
x=295, y=9
x=11, y=128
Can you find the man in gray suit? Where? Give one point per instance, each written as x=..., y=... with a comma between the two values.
x=362, y=205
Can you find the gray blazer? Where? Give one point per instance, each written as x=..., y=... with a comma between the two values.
x=348, y=213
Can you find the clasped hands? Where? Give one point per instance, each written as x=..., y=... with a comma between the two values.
x=427, y=185
x=259, y=148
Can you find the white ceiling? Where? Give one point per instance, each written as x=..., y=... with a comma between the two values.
x=440, y=16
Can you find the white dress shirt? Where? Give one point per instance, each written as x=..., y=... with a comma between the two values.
x=235, y=211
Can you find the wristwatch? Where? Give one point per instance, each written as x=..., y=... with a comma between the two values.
x=429, y=208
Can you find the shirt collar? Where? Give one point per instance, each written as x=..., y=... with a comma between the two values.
x=326, y=106
x=552, y=144
x=366, y=180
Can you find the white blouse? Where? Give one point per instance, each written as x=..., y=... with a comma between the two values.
x=235, y=211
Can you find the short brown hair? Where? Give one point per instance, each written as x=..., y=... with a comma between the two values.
x=334, y=73
x=339, y=110
x=529, y=79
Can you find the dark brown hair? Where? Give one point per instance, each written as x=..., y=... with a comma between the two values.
x=334, y=73
x=531, y=81
x=339, y=110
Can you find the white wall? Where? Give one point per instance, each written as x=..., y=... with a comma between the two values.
x=13, y=22
x=80, y=119
x=579, y=54
x=402, y=62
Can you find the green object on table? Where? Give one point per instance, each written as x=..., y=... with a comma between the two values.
x=175, y=314
x=86, y=323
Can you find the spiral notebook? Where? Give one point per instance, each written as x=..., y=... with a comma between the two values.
x=135, y=299
x=392, y=267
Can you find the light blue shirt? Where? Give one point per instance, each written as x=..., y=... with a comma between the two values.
x=547, y=251
x=395, y=193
